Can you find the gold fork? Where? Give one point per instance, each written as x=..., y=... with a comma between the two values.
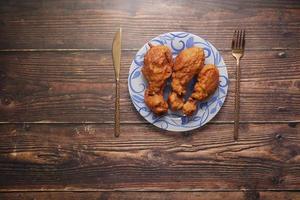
x=237, y=47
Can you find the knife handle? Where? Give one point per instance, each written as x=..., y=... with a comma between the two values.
x=117, y=109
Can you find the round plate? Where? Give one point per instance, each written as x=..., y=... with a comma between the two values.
x=175, y=121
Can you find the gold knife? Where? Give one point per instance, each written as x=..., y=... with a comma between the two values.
x=116, y=53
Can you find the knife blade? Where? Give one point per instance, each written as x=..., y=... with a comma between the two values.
x=116, y=54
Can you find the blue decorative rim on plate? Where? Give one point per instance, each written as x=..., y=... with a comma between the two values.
x=174, y=121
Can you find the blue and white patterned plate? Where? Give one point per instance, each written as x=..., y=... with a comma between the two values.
x=175, y=121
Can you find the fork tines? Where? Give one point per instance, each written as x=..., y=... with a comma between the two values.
x=238, y=40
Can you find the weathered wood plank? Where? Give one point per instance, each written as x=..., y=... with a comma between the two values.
x=91, y=24
x=72, y=157
x=76, y=87
x=249, y=195
x=97, y=67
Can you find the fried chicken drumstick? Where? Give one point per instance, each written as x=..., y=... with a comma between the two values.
x=187, y=64
x=207, y=83
x=157, y=69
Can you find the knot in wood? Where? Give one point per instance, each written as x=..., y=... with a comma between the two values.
x=281, y=109
x=281, y=54
x=26, y=127
x=278, y=136
x=276, y=180
x=6, y=100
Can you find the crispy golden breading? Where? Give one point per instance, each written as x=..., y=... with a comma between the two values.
x=155, y=102
x=189, y=106
x=157, y=69
x=175, y=101
x=207, y=83
x=187, y=64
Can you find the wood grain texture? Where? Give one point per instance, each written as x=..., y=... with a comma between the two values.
x=76, y=157
x=91, y=24
x=248, y=195
x=77, y=87
x=68, y=80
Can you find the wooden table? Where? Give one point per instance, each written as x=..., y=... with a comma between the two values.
x=57, y=104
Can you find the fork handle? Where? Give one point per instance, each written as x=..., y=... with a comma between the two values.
x=117, y=109
x=237, y=101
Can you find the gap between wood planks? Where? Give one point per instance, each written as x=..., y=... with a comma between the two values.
x=111, y=122
x=69, y=189
x=133, y=49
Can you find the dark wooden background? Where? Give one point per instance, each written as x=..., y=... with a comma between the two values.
x=57, y=105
